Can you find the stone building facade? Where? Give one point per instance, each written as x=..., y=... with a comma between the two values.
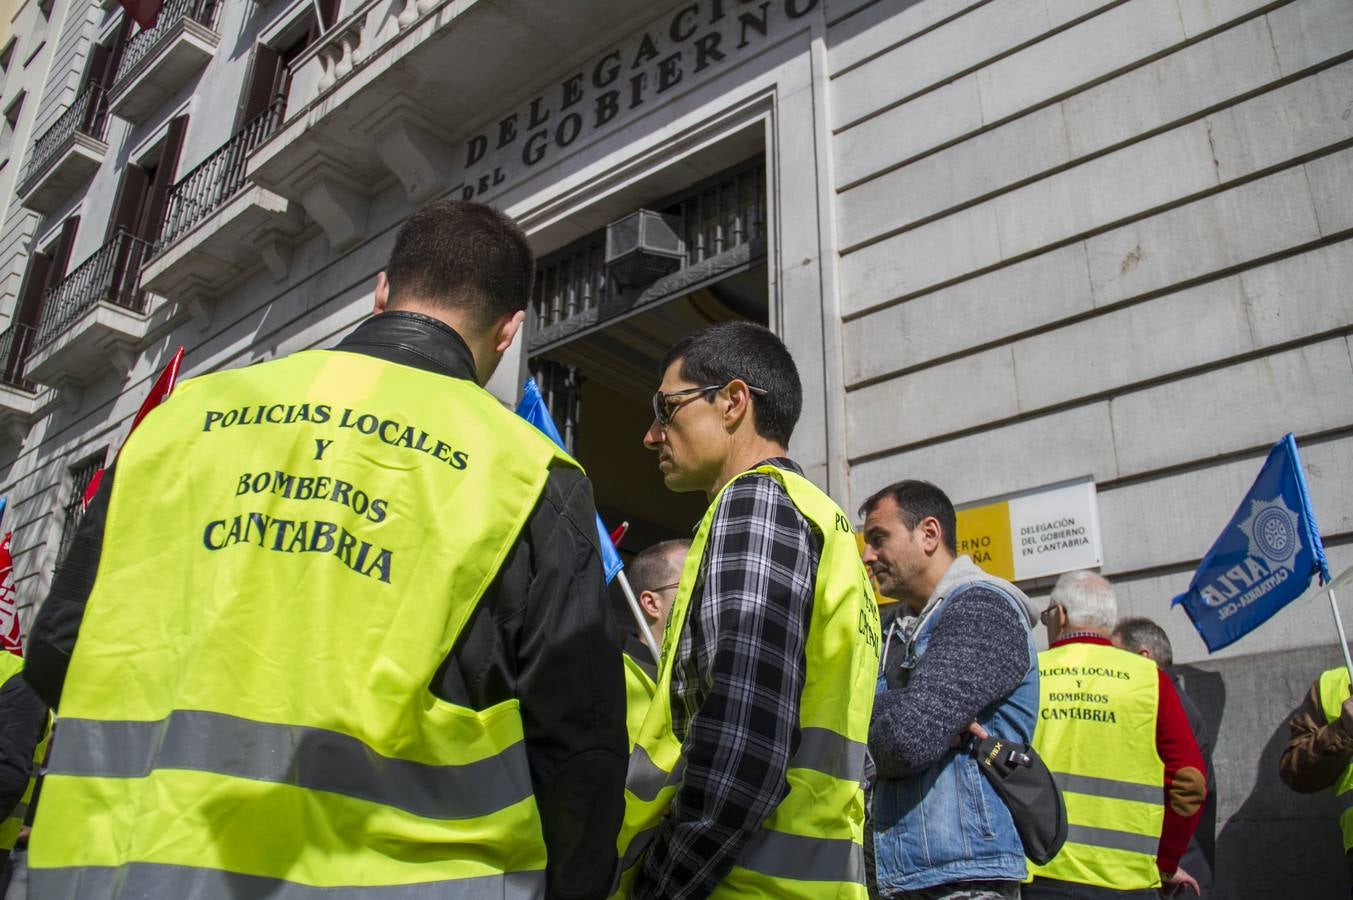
x=1013, y=244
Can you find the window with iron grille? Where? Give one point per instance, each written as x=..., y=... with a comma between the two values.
x=718, y=216
x=80, y=475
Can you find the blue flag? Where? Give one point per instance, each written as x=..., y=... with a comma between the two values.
x=532, y=408
x=1263, y=560
x=4, y=501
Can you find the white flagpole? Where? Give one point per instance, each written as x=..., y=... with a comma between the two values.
x=1339, y=626
x=644, y=631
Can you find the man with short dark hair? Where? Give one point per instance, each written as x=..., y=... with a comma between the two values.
x=1144, y=637
x=341, y=623
x=655, y=574
x=968, y=657
x=745, y=776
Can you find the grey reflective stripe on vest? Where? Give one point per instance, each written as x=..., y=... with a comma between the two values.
x=1111, y=788
x=820, y=749
x=645, y=779
x=781, y=855
x=141, y=880
x=637, y=847
x=311, y=758
x=1112, y=840
x=18, y=812
x=825, y=751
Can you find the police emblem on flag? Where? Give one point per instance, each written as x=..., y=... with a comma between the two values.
x=1263, y=560
x=1272, y=529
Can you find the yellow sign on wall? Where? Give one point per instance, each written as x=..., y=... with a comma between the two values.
x=984, y=534
x=1037, y=533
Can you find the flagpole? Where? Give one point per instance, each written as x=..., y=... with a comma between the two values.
x=644, y=631
x=1343, y=639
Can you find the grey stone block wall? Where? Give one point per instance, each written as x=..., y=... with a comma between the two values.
x=1104, y=240
x=1271, y=841
x=1113, y=240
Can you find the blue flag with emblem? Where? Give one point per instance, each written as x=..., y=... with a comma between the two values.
x=1263, y=560
x=532, y=408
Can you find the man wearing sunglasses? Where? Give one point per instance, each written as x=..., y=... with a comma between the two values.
x=746, y=771
x=655, y=574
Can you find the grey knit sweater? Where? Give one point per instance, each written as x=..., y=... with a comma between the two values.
x=977, y=655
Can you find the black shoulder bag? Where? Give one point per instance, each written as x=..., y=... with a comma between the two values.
x=1026, y=786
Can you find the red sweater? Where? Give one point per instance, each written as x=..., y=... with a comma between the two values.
x=1185, y=772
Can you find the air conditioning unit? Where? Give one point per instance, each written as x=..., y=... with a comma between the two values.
x=643, y=247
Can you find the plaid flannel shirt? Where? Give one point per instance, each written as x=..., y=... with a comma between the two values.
x=736, y=684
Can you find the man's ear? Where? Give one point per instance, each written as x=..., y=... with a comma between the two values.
x=932, y=536
x=507, y=331
x=382, y=293
x=648, y=602
x=739, y=403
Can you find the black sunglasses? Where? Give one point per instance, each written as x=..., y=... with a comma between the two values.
x=664, y=409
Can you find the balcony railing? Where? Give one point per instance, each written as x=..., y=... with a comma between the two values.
x=87, y=115
x=214, y=181
x=16, y=342
x=723, y=215
x=171, y=14
x=111, y=275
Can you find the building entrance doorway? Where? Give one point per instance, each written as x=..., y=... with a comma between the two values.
x=599, y=333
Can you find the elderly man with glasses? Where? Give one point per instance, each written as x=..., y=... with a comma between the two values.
x=1113, y=732
x=745, y=775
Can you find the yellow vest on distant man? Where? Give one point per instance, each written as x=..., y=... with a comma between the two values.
x=11, y=666
x=639, y=689
x=1096, y=731
x=291, y=551
x=1333, y=693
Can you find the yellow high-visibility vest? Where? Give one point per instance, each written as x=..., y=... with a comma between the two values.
x=1333, y=693
x=11, y=666
x=639, y=688
x=291, y=551
x=811, y=846
x=1096, y=731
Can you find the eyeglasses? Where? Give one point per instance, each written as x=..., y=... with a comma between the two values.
x=664, y=409
x=664, y=587
x=1049, y=615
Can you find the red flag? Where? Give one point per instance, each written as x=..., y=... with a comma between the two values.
x=619, y=534
x=10, y=641
x=162, y=388
x=143, y=12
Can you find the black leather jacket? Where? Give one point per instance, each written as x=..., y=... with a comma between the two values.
x=542, y=633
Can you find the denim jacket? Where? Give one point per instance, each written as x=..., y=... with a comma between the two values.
x=946, y=823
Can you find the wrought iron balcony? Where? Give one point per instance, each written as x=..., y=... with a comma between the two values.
x=66, y=153
x=358, y=111
x=111, y=275
x=217, y=178
x=156, y=62
x=16, y=342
